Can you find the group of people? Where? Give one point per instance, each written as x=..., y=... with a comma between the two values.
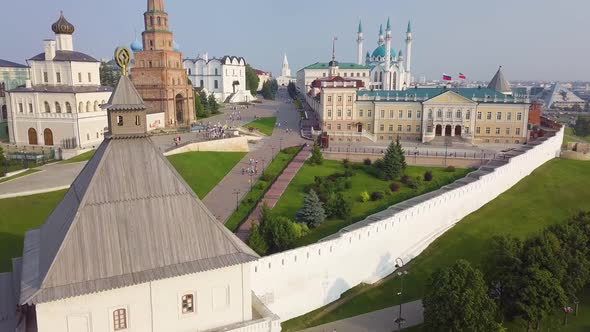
x=252, y=169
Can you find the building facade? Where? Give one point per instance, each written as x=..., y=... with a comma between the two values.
x=12, y=75
x=263, y=77
x=285, y=77
x=472, y=115
x=224, y=77
x=159, y=75
x=61, y=103
x=383, y=69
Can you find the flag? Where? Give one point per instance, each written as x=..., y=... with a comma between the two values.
x=447, y=77
x=462, y=76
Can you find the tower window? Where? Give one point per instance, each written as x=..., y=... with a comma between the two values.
x=45, y=77
x=89, y=77
x=159, y=21
x=137, y=120
x=58, y=77
x=119, y=120
x=151, y=21
x=188, y=304
x=119, y=319
x=79, y=77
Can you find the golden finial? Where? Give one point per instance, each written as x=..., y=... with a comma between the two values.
x=123, y=57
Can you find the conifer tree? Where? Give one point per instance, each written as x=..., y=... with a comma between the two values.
x=401, y=155
x=312, y=213
x=316, y=155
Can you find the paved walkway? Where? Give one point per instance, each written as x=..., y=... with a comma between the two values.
x=275, y=192
x=52, y=177
x=376, y=321
x=221, y=201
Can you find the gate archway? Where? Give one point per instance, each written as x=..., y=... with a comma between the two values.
x=458, y=130
x=448, y=130
x=48, y=137
x=438, y=130
x=33, y=136
x=179, y=108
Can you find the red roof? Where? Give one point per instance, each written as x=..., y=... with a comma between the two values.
x=260, y=72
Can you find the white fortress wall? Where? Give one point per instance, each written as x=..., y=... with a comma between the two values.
x=298, y=281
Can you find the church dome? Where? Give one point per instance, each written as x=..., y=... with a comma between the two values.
x=62, y=26
x=380, y=52
x=136, y=46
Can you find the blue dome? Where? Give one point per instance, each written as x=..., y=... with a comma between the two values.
x=176, y=46
x=380, y=52
x=136, y=46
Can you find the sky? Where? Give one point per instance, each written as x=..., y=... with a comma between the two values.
x=531, y=39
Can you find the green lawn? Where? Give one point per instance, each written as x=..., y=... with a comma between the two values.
x=249, y=201
x=18, y=216
x=554, y=192
x=570, y=131
x=264, y=125
x=293, y=197
x=81, y=157
x=203, y=170
x=20, y=175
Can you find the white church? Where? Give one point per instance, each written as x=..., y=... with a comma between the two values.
x=131, y=247
x=61, y=104
x=285, y=77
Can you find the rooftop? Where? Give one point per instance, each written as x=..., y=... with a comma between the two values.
x=423, y=94
x=10, y=64
x=342, y=65
x=69, y=56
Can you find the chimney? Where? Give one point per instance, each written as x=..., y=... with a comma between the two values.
x=50, y=46
x=28, y=84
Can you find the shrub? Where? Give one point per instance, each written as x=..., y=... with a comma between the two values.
x=405, y=179
x=337, y=207
x=346, y=162
x=428, y=176
x=316, y=156
x=394, y=187
x=260, y=185
x=266, y=176
x=348, y=172
x=365, y=196
x=367, y=162
x=450, y=169
x=376, y=195
x=256, y=241
x=414, y=183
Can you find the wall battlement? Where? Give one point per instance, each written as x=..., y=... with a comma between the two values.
x=298, y=281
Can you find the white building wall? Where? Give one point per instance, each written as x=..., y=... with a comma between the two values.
x=221, y=297
x=298, y=281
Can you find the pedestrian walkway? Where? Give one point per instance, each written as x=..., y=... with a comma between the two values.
x=221, y=200
x=275, y=192
x=51, y=178
x=377, y=321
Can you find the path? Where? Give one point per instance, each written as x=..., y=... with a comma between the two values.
x=221, y=201
x=52, y=177
x=275, y=192
x=376, y=321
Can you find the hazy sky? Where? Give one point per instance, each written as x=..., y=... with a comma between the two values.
x=532, y=39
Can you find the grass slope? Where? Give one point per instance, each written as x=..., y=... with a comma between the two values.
x=19, y=215
x=554, y=192
x=264, y=125
x=81, y=157
x=203, y=170
x=292, y=199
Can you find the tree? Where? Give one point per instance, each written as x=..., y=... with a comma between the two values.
x=268, y=91
x=213, y=105
x=316, y=155
x=278, y=232
x=204, y=99
x=109, y=74
x=456, y=300
x=256, y=241
x=2, y=162
x=539, y=294
x=401, y=155
x=200, y=110
x=252, y=80
x=292, y=90
x=337, y=207
x=582, y=126
x=312, y=212
x=393, y=165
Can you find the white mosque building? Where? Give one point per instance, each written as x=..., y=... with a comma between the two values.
x=382, y=69
x=61, y=104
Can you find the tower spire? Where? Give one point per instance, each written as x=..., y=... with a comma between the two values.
x=155, y=5
x=360, y=30
x=334, y=48
x=388, y=25
x=359, y=45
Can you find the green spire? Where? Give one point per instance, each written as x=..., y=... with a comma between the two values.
x=409, y=27
x=400, y=53
x=360, y=27
x=388, y=25
x=381, y=29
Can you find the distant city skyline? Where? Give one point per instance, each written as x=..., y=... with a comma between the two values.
x=533, y=40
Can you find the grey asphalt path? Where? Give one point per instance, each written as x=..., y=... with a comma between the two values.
x=221, y=201
x=52, y=177
x=376, y=321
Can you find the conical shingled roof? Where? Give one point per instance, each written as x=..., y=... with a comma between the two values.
x=128, y=218
x=499, y=83
x=125, y=97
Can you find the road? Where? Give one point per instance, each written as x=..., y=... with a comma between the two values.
x=52, y=177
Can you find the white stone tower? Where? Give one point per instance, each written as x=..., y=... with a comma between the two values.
x=408, y=53
x=285, y=71
x=387, y=81
x=63, y=34
x=359, y=45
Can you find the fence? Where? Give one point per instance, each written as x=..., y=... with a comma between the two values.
x=419, y=153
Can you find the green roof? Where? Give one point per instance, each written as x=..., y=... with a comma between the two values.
x=388, y=24
x=422, y=94
x=409, y=27
x=341, y=65
x=360, y=27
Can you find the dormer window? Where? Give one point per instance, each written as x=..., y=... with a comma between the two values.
x=119, y=120
x=188, y=304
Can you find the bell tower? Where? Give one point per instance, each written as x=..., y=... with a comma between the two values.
x=126, y=111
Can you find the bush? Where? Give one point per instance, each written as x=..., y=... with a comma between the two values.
x=367, y=162
x=260, y=185
x=345, y=162
x=348, y=173
x=428, y=176
x=266, y=176
x=450, y=169
x=394, y=187
x=376, y=195
x=365, y=196
x=256, y=241
x=405, y=179
x=414, y=183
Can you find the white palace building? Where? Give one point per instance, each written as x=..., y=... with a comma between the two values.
x=61, y=104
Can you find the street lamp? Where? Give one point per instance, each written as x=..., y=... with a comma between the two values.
x=237, y=193
x=251, y=180
x=399, y=263
x=280, y=144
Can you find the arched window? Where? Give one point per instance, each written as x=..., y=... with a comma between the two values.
x=159, y=21
x=96, y=108
x=68, y=107
x=216, y=72
x=47, y=108
x=88, y=106
x=81, y=107
x=57, y=107
x=151, y=21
